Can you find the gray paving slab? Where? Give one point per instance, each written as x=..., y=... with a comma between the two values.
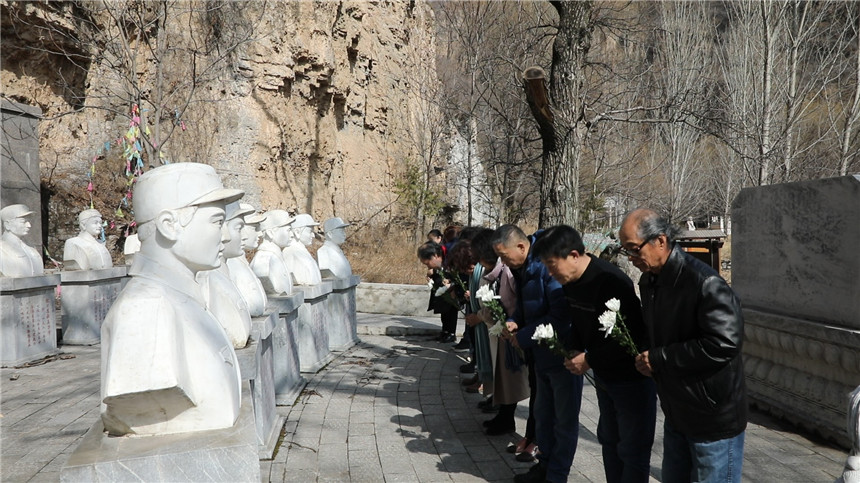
x=389, y=409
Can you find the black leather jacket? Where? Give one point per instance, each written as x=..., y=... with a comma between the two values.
x=696, y=332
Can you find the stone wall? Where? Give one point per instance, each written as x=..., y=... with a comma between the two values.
x=795, y=268
x=393, y=299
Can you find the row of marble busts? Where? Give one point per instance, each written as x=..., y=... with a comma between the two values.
x=281, y=259
x=283, y=252
x=168, y=359
x=81, y=252
x=282, y=234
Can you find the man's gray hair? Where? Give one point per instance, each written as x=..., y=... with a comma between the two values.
x=652, y=225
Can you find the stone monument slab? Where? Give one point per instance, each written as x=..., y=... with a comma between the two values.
x=28, y=325
x=86, y=297
x=256, y=366
x=19, y=163
x=269, y=421
x=796, y=272
x=343, y=323
x=313, y=331
x=286, y=370
x=794, y=253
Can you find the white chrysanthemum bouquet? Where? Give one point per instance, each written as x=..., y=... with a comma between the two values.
x=612, y=323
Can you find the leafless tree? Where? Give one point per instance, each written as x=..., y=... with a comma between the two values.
x=684, y=52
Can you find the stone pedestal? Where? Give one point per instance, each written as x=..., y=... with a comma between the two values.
x=256, y=366
x=86, y=296
x=288, y=381
x=313, y=331
x=796, y=272
x=28, y=325
x=228, y=454
x=342, y=322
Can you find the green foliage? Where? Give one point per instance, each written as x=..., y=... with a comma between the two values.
x=415, y=191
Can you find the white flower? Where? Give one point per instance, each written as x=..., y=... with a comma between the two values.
x=441, y=290
x=613, y=305
x=430, y=283
x=485, y=294
x=543, y=331
x=497, y=329
x=607, y=321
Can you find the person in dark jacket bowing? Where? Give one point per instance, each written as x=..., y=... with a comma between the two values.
x=626, y=398
x=696, y=332
x=447, y=306
x=540, y=301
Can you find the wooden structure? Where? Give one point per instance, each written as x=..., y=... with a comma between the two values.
x=704, y=245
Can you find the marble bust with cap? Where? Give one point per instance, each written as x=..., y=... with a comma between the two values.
x=268, y=263
x=330, y=255
x=85, y=251
x=305, y=269
x=223, y=298
x=17, y=259
x=243, y=276
x=167, y=365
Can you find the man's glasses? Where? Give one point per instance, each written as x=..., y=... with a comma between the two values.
x=634, y=252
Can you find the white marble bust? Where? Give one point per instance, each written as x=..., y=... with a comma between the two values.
x=167, y=365
x=305, y=269
x=330, y=256
x=240, y=270
x=85, y=251
x=17, y=259
x=223, y=298
x=268, y=263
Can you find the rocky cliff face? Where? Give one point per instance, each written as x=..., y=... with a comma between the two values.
x=310, y=111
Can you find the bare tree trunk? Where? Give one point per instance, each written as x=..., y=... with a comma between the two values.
x=764, y=174
x=792, y=102
x=560, y=180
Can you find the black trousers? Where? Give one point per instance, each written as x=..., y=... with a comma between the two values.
x=449, y=319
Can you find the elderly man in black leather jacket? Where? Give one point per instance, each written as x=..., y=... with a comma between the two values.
x=696, y=335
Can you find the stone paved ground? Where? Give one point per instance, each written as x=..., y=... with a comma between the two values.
x=389, y=409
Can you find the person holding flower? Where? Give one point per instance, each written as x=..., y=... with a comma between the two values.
x=442, y=303
x=498, y=298
x=607, y=332
x=541, y=302
x=696, y=331
x=462, y=261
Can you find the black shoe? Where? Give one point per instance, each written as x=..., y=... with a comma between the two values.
x=535, y=474
x=461, y=346
x=469, y=381
x=493, y=408
x=441, y=336
x=486, y=402
x=491, y=422
x=500, y=429
x=467, y=368
x=448, y=338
